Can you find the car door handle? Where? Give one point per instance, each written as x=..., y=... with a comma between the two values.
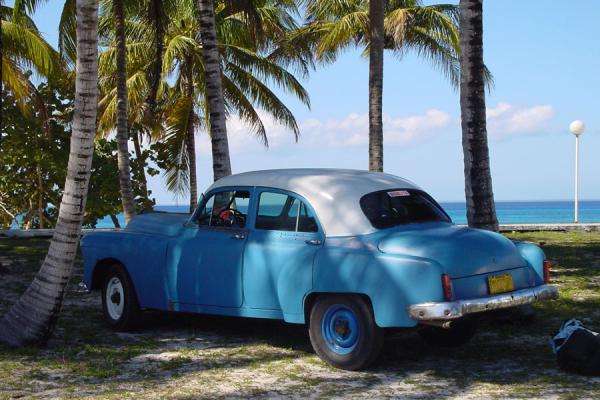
x=313, y=242
x=238, y=236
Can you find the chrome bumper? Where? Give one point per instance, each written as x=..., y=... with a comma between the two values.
x=441, y=312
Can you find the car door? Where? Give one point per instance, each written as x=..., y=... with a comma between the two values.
x=208, y=259
x=280, y=251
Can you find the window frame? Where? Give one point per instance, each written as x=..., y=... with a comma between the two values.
x=192, y=222
x=410, y=190
x=260, y=190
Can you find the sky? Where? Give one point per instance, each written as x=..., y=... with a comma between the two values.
x=545, y=60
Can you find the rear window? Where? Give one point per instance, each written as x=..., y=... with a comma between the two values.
x=389, y=208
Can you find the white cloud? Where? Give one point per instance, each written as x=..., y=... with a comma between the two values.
x=349, y=131
x=507, y=120
x=353, y=130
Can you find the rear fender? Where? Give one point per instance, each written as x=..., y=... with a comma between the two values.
x=534, y=256
x=391, y=282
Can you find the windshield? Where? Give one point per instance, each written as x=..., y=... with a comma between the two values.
x=389, y=208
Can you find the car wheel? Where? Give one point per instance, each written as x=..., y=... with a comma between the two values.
x=119, y=301
x=459, y=333
x=343, y=332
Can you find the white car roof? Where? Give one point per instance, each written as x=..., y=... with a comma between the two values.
x=334, y=194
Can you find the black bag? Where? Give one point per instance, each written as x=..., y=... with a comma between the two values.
x=577, y=349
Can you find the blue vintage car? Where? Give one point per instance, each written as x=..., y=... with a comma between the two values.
x=348, y=253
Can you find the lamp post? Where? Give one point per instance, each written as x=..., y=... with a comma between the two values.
x=577, y=127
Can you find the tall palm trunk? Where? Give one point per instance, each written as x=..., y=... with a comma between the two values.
x=376, y=16
x=214, y=91
x=141, y=161
x=32, y=318
x=157, y=16
x=481, y=210
x=190, y=140
x=40, y=188
x=122, y=122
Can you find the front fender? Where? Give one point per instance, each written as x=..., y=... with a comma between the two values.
x=392, y=282
x=143, y=256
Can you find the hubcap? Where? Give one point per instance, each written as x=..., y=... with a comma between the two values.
x=114, y=298
x=340, y=329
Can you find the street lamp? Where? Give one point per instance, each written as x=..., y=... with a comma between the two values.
x=577, y=127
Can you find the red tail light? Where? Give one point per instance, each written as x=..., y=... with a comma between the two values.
x=547, y=266
x=447, y=287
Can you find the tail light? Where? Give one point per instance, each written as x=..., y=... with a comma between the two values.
x=547, y=266
x=447, y=287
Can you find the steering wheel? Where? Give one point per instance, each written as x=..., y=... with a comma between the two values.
x=231, y=216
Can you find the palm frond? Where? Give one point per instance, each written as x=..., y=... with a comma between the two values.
x=178, y=120
x=237, y=101
x=29, y=48
x=266, y=71
x=67, y=34
x=262, y=96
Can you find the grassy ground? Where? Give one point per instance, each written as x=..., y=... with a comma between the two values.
x=187, y=356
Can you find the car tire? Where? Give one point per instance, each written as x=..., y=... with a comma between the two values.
x=343, y=332
x=459, y=333
x=119, y=300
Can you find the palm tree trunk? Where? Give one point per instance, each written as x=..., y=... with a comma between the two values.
x=141, y=162
x=122, y=121
x=157, y=16
x=214, y=91
x=40, y=196
x=190, y=140
x=115, y=221
x=481, y=210
x=32, y=318
x=376, y=16
x=190, y=143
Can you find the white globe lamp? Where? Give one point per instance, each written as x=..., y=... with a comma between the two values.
x=577, y=127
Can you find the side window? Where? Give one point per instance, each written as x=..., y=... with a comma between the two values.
x=274, y=211
x=281, y=212
x=306, y=220
x=225, y=209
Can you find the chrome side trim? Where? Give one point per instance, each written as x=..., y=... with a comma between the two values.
x=448, y=311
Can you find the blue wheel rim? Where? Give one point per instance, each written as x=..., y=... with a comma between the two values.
x=340, y=329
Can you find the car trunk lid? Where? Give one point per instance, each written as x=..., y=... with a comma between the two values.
x=461, y=251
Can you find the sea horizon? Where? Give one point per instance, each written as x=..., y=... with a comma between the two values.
x=508, y=212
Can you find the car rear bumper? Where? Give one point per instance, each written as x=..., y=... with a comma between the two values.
x=448, y=311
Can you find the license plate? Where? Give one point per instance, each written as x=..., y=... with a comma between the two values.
x=500, y=283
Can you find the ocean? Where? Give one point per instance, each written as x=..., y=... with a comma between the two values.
x=509, y=212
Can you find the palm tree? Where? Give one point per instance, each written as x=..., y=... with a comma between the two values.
x=481, y=210
x=214, y=90
x=122, y=120
x=32, y=318
x=249, y=66
x=24, y=52
x=430, y=31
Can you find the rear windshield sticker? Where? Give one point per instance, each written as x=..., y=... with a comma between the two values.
x=398, y=193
